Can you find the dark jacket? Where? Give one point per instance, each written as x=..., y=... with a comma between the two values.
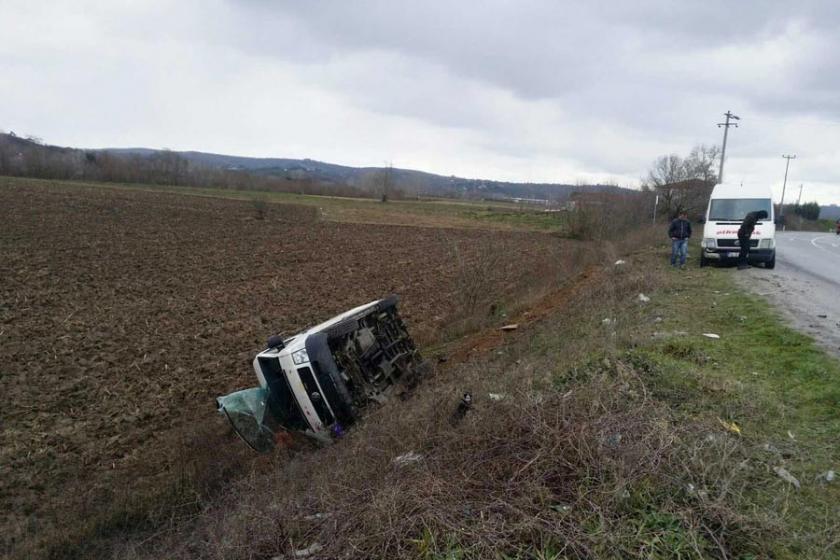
x=680, y=229
x=748, y=225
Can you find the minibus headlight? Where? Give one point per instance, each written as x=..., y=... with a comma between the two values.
x=709, y=243
x=768, y=243
x=300, y=357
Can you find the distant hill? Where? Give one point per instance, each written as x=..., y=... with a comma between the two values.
x=31, y=157
x=367, y=178
x=831, y=212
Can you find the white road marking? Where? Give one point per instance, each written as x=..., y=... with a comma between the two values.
x=818, y=246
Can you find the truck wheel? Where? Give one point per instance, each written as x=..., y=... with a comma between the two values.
x=771, y=264
x=703, y=261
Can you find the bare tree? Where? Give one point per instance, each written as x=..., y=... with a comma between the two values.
x=666, y=171
x=702, y=162
x=684, y=183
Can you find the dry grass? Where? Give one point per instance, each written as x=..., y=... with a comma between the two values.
x=485, y=293
x=566, y=472
x=611, y=219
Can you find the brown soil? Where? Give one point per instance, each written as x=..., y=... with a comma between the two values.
x=124, y=313
x=555, y=301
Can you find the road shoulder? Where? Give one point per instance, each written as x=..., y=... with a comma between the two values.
x=809, y=304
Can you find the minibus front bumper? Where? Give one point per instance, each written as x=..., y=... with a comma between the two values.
x=729, y=254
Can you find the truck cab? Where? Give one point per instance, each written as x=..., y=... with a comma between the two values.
x=319, y=382
x=728, y=206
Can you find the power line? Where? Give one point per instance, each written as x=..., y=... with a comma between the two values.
x=796, y=120
x=726, y=126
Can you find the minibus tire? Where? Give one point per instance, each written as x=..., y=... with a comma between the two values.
x=771, y=264
x=703, y=261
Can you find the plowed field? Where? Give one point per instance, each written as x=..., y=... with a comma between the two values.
x=124, y=313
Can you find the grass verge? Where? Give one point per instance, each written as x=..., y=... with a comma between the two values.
x=779, y=389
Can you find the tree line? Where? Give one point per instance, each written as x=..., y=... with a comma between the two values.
x=808, y=210
x=30, y=157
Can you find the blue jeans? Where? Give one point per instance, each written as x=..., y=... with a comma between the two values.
x=679, y=247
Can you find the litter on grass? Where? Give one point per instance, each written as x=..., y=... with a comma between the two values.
x=827, y=476
x=308, y=551
x=711, y=335
x=786, y=476
x=731, y=426
x=769, y=447
x=668, y=334
x=643, y=298
x=407, y=458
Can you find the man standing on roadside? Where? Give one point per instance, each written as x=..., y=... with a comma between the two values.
x=744, y=234
x=679, y=232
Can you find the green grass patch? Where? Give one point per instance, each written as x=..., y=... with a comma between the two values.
x=774, y=383
x=520, y=218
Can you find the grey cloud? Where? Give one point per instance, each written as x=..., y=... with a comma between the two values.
x=535, y=89
x=638, y=63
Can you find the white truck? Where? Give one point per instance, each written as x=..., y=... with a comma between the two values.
x=728, y=205
x=320, y=381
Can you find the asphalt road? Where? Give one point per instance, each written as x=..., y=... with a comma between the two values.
x=805, y=284
x=815, y=254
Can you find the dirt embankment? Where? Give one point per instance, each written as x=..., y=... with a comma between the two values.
x=123, y=314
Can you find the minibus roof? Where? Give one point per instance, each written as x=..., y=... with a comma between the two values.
x=730, y=190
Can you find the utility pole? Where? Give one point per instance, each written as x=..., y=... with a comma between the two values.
x=387, y=179
x=798, y=200
x=782, y=205
x=729, y=116
x=655, y=206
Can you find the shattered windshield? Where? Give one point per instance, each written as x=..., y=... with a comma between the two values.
x=246, y=411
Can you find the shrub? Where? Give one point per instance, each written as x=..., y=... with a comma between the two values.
x=260, y=204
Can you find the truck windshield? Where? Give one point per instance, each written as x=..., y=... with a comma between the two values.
x=735, y=209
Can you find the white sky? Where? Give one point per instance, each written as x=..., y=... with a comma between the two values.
x=527, y=90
